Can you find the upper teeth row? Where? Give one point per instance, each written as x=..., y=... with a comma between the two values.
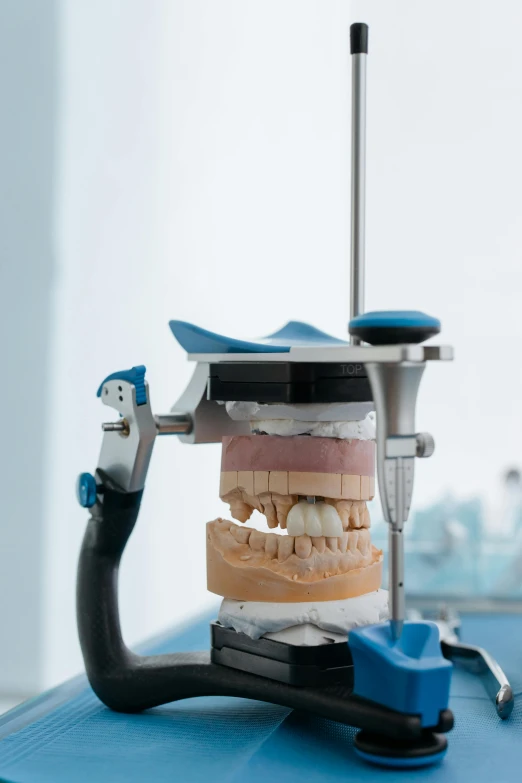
x=314, y=519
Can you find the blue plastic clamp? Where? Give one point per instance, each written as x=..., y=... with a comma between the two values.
x=409, y=675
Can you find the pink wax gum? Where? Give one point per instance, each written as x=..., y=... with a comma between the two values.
x=300, y=453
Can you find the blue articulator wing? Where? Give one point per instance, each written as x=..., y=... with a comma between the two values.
x=194, y=339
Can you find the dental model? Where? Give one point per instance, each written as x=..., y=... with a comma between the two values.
x=313, y=489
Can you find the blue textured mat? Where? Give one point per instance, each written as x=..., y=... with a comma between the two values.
x=237, y=740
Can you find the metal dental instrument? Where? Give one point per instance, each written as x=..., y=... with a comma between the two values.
x=473, y=659
x=395, y=388
x=478, y=661
x=359, y=50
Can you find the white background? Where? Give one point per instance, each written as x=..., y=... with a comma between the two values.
x=203, y=174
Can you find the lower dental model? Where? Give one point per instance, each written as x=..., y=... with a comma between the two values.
x=313, y=487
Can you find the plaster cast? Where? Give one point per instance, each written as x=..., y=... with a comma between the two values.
x=246, y=564
x=309, y=412
x=257, y=619
x=299, y=454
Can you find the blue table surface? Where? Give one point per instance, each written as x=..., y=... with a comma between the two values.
x=68, y=736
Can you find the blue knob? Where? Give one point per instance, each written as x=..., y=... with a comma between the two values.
x=86, y=490
x=389, y=327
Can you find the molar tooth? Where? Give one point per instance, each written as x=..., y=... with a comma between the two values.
x=252, y=500
x=331, y=524
x=312, y=519
x=303, y=547
x=285, y=547
x=268, y=509
x=239, y=510
x=295, y=521
x=343, y=542
x=331, y=543
x=241, y=534
x=271, y=545
x=257, y=540
x=320, y=543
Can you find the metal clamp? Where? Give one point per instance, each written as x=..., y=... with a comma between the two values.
x=478, y=661
x=127, y=445
x=473, y=659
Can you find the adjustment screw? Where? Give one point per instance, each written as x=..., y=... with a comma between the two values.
x=425, y=444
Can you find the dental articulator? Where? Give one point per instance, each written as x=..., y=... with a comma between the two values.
x=302, y=418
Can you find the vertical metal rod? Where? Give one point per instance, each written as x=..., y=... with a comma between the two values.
x=396, y=581
x=396, y=556
x=359, y=51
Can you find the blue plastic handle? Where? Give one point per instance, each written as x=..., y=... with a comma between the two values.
x=389, y=327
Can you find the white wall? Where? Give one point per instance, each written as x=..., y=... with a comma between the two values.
x=204, y=175
x=28, y=86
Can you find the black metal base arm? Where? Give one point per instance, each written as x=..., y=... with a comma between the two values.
x=127, y=682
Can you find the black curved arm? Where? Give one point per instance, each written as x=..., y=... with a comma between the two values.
x=127, y=682
x=124, y=681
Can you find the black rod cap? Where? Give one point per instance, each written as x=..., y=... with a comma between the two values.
x=359, y=38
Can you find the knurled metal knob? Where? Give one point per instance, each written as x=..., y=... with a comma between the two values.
x=425, y=444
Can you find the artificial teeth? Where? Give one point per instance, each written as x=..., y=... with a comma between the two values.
x=314, y=519
x=330, y=520
x=295, y=521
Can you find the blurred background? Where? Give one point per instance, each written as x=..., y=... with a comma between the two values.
x=190, y=159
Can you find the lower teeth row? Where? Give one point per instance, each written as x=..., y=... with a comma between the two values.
x=283, y=546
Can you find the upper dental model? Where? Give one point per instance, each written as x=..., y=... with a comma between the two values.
x=316, y=489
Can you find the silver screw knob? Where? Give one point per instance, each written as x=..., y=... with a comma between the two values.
x=425, y=444
x=121, y=426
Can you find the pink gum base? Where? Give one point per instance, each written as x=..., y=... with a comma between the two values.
x=299, y=453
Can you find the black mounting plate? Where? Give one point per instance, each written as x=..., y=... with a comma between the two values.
x=288, y=382
x=321, y=664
